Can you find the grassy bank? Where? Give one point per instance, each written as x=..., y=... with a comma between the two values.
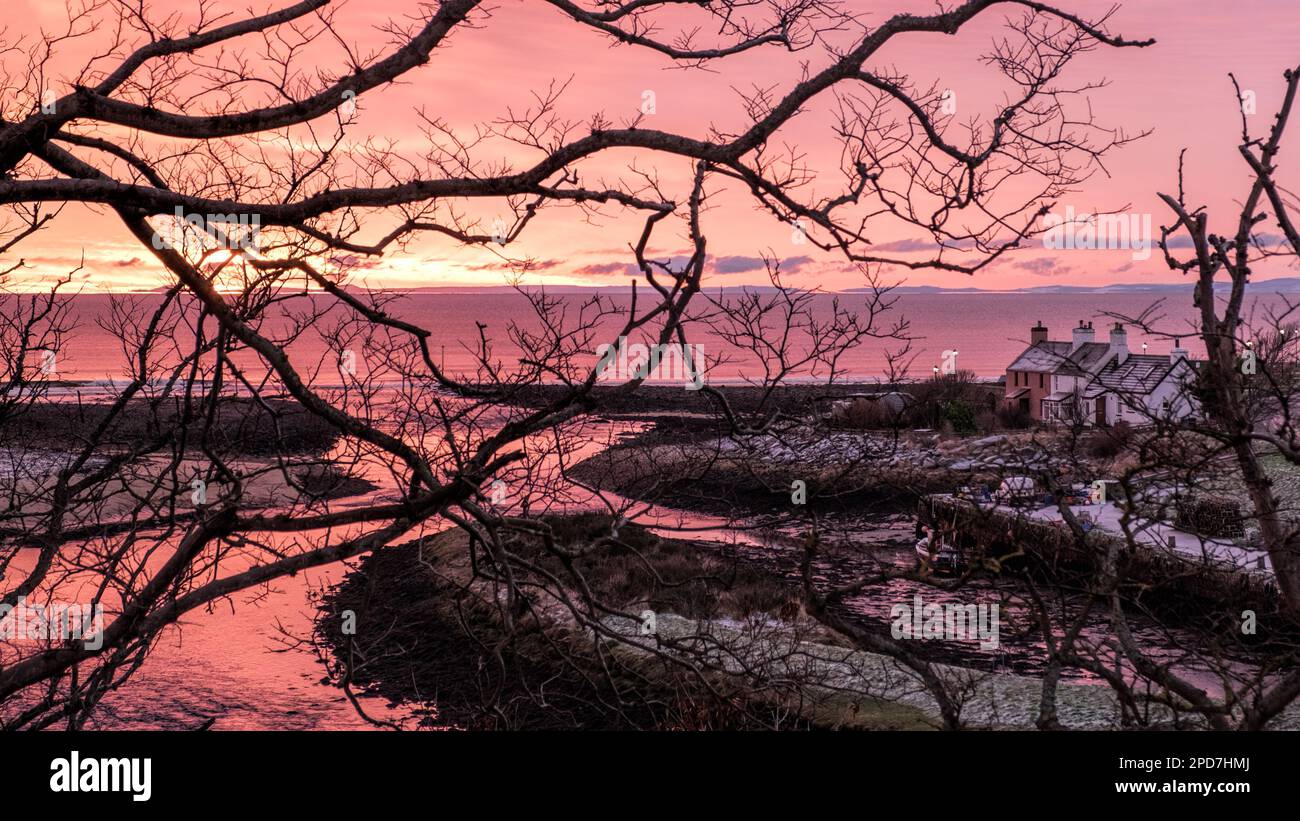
x=427, y=632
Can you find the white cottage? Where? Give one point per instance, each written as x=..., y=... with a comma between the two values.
x=1099, y=383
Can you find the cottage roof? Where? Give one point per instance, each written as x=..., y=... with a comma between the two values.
x=1139, y=373
x=1058, y=358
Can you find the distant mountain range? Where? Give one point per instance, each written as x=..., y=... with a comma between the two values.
x=1263, y=286
x=1279, y=285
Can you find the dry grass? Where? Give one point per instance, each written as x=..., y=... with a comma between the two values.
x=639, y=570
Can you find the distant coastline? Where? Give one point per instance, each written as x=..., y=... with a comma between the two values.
x=1267, y=286
x=1259, y=287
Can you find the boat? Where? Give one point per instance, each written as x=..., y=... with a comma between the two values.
x=934, y=551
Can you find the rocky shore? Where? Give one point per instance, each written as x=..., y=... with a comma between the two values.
x=425, y=631
x=843, y=471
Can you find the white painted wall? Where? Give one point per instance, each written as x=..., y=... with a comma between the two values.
x=1170, y=389
x=1119, y=410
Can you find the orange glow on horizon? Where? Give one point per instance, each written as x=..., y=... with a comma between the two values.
x=485, y=71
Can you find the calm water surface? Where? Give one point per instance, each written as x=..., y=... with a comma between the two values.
x=987, y=330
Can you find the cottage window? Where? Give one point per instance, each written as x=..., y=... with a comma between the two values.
x=1040, y=380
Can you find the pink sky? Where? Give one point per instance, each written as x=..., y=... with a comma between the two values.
x=1179, y=88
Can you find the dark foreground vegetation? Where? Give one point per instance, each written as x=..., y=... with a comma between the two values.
x=424, y=635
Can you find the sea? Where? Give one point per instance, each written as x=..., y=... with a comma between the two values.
x=983, y=332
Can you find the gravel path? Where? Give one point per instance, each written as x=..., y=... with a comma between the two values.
x=989, y=700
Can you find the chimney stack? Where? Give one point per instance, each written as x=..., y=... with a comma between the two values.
x=1119, y=344
x=1178, y=352
x=1082, y=335
x=1038, y=333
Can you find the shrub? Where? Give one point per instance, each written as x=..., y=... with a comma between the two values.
x=960, y=415
x=1013, y=417
x=1107, y=443
x=951, y=401
x=863, y=413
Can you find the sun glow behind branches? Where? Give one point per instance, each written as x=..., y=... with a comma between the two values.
x=481, y=74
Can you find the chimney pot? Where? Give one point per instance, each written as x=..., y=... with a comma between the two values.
x=1081, y=336
x=1119, y=344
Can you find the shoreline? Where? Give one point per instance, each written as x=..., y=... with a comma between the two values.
x=428, y=651
x=246, y=428
x=652, y=399
x=421, y=662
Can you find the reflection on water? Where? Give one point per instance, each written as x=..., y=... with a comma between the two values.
x=233, y=665
x=237, y=667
